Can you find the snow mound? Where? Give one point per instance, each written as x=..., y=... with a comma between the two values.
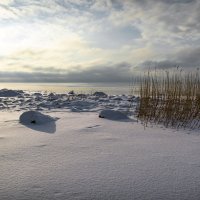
x=10, y=93
x=113, y=115
x=34, y=117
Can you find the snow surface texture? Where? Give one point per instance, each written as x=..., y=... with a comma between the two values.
x=89, y=158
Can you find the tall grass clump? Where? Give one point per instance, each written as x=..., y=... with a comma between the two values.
x=171, y=98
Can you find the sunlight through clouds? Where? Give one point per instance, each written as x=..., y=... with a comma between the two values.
x=65, y=34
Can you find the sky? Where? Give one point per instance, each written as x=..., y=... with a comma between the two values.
x=96, y=40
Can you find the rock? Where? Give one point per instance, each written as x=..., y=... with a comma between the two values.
x=52, y=96
x=100, y=94
x=82, y=95
x=10, y=93
x=117, y=99
x=131, y=98
x=71, y=92
x=37, y=94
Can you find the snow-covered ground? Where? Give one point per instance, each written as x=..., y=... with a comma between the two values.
x=81, y=156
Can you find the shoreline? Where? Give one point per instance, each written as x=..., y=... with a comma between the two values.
x=22, y=100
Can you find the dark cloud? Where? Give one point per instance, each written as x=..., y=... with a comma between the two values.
x=165, y=64
x=121, y=72
x=188, y=58
x=142, y=2
x=43, y=70
x=175, y=1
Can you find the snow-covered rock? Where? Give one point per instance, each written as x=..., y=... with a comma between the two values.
x=82, y=96
x=113, y=115
x=34, y=117
x=52, y=96
x=37, y=94
x=100, y=94
x=78, y=102
x=71, y=92
x=10, y=93
x=2, y=105
x=117, y=98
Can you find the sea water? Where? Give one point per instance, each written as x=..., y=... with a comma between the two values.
x=85, y=88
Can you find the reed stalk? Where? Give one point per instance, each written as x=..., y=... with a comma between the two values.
x=171, y=98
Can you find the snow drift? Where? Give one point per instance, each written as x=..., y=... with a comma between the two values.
x=34, y=117
x=113, y=115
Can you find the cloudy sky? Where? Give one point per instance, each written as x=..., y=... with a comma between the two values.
x=96, y=40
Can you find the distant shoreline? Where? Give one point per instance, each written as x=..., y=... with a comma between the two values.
x=109, y=88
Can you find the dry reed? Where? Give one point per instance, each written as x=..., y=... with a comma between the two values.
x=171, y=98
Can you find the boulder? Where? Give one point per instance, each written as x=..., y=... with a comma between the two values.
x=100, y=94
x=10, y=93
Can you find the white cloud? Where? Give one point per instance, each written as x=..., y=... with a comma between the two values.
x=66, y=34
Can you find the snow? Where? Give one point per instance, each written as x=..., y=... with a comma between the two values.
x=113, y=115
x=100, y=94
x=81, y=156
x=38, y=121
x=40, y=101
x=10, y=93
x=34, y=117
